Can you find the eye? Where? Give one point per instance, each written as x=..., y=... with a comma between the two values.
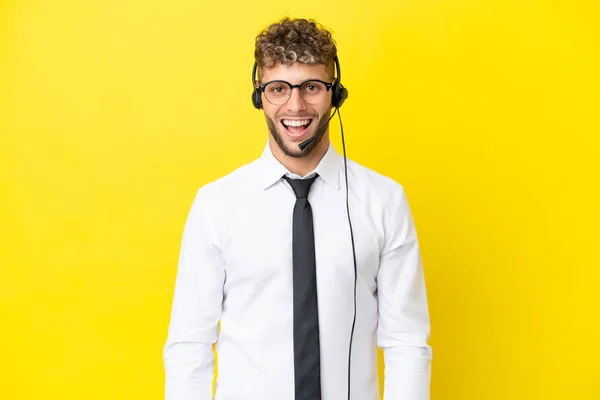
x=277, y=88
x=312, y=87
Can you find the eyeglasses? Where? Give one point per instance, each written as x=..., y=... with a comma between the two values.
x=312, y=91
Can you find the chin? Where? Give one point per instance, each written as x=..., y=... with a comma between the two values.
x=290, y=147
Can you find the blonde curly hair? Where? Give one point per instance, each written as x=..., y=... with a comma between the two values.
x=292, y=41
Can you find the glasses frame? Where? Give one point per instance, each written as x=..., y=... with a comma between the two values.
x=263, y=86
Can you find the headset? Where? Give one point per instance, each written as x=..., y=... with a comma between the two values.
x=339, y=94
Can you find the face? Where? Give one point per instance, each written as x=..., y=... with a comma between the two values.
x=295, y=121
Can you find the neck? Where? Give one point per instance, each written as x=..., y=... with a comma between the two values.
x=301, y=165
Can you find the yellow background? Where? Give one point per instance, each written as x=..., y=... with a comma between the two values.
x=113, y=113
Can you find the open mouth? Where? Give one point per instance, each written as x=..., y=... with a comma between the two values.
x=296, y=127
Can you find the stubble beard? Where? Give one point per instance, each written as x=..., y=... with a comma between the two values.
x=296, y=152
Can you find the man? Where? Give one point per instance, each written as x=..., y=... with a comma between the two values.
x=268, y=254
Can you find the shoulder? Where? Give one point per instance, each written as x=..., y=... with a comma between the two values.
x=386, y=202
x=375, y=186
x=229, y=186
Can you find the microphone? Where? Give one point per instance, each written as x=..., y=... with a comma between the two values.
x=308, y=141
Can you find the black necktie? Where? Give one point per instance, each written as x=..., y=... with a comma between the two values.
x=307, y=368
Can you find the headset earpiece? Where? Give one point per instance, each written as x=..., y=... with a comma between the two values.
x=339, y=92
x=256, y=99
x=256, y=95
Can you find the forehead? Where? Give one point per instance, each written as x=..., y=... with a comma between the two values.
x=295, y=73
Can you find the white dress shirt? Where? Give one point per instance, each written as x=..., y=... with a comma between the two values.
x=235, y=268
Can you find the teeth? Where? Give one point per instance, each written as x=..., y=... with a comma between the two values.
x=292, y=122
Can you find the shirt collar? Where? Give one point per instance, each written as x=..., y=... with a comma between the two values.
x=272, y=170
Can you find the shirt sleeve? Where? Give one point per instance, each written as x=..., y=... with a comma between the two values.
x=196, y=309
x=404, y=326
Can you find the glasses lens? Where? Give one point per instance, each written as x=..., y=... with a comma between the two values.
x=277, y=92
x=312, y=92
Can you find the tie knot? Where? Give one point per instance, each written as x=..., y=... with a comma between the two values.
x=301, y=187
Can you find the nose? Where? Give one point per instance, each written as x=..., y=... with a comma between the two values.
x=295, y=102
